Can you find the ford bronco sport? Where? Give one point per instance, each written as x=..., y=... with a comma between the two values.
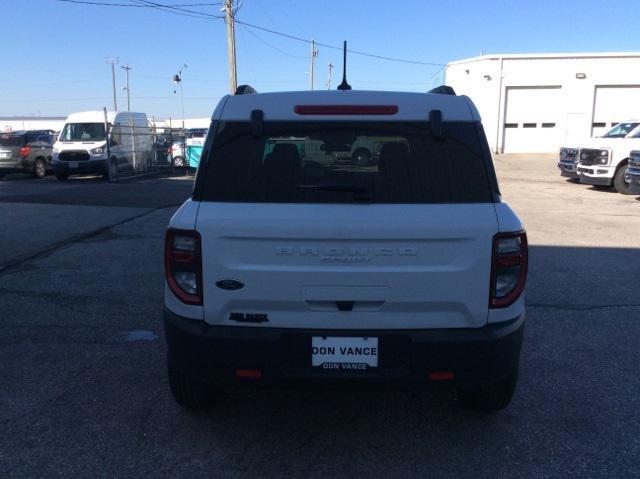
x=288, y=268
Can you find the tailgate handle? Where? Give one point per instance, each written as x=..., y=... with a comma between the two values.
x=344, y=305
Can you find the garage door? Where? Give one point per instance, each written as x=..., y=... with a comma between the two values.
x=614, y=104
x=531, y=119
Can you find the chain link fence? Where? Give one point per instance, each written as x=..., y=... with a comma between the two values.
x=139, y=150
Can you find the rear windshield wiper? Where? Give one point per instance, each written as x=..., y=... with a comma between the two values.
x=360, y=194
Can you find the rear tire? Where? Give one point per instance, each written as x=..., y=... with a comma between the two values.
x=619, y=183
x=491, y=397
x=39, y=168
x=190, y=393
x=178, y=162
x=62, y=177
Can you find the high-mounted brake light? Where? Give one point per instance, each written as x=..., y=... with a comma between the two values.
x=24, y=151
x=346, y=109
x=508, y=268
x=183, y=265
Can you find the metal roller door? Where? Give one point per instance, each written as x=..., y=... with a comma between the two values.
x=531, y=119
x=614, y=104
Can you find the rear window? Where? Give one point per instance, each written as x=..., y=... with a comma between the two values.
x=8, y=139
x=344, y=162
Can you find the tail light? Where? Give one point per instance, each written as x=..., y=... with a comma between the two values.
x=24, y=151
x=183, y=265
x=508, y=268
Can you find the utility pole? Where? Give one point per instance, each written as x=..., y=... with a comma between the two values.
x=314, y=54
x=127, y=68
x=328, y=83
x=113, y=62
x=231, y=44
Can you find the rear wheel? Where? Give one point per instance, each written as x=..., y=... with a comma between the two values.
x=62, y=177
x=189, y=392
x=178, y=162
x=39, y=168
x=491, y=397
x=619, y=182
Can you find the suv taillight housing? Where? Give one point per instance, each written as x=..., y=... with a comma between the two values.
x=24, y=151
x=183, y=265
x=509, y=262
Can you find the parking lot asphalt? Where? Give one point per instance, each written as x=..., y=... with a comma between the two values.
x=84, y=391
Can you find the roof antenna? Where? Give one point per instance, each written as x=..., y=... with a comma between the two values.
x=344, y=85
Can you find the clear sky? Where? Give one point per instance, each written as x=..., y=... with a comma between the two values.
x=53, y=58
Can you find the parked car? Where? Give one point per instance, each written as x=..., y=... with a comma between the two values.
x=284, y=270
x=82, y=145
x=570, y=156
x=633, y=172
x=26, y=151
x=604, y=162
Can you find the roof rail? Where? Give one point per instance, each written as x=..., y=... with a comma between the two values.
x=443, y=90
x=245, y=90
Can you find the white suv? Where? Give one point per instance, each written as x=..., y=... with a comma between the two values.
x=285, y=267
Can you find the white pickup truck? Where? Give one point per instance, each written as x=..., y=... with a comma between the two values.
x=603, y=161
x=570, y=156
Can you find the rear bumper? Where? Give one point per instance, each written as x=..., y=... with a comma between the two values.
x=213, y=353
x=16, y=166
x=87, y=166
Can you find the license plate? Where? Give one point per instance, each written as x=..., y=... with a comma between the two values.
x=5, y=155
x=73, y=164
x=344, y=354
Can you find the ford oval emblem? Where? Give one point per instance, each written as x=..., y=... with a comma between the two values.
x=229, y=284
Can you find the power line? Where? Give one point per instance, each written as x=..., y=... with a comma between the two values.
x=178, y=10
x=333, y=47
x=106, y=4
x=270, y=45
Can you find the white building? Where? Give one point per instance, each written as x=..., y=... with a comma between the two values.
x=16, y=123
x=538, y=102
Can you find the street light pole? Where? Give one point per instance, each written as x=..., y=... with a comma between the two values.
x=177, y=79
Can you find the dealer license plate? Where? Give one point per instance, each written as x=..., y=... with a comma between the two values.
x=73, y=164
x=343, y=354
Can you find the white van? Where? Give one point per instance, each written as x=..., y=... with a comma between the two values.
x=82, y=145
